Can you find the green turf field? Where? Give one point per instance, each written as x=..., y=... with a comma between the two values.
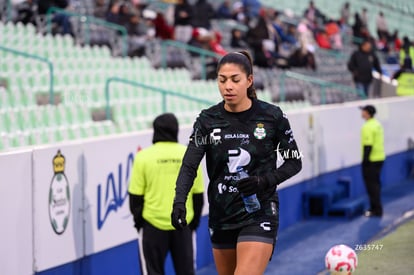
x=392, y=254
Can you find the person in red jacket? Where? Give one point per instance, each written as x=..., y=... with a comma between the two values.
x=323, y=40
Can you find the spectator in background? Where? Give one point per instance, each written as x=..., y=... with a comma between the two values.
x=124, y=17
x=136, y=7
x=99, y=35
x=200, y=39
x=280, y=29
x=345, y=13
x=162, y=29
x=382, y=44
x=382, y=27
x=239, y=14
x=365, y=35
x=251, y=8
x=215, y=44
x=26, y=12
x=406, y=67
x=303, y=57
x=405, y=78
x=261, y=42
x=237, y=40
x=312, y=14
x=357, y=26
x=305, y=36
x=61, y=19
x=364, y=17
x=151, y=194
x=394, y=47
x=122, y=14
x=100, y=9
x=396, y=41
x=224, y=10
x=208, y=40
x=203, y=12
x=112, y=14
x=139, y=33
x=183, y=15
x=323, y=40
x=361, y=64
x=334, y=34
x=291, y=34
x=406, y=51
x=391, y=57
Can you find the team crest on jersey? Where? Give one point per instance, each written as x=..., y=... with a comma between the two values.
x=260, y=131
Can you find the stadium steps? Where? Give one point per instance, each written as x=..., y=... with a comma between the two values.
x=333, y=200
x=348, y=207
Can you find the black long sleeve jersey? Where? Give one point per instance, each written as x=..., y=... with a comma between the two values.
x=249, y=139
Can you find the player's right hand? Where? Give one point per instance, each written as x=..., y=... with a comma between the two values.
x=178, y=216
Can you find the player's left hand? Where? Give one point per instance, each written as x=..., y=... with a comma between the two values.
x=251, y=185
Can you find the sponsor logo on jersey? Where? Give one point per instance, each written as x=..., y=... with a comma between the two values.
x=265, y=226
x=237, y=158
x=223, y=188
x=289, y=133
x=260, y=131
x=215, y=135
x=236, y=136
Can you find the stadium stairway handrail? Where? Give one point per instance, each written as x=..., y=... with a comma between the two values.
x=9, y=10
x=40, y=59
x=163, y=92
x=323, y=84
x=333, y=53
x=87, y=19
x=202, y=52
x=232, y=24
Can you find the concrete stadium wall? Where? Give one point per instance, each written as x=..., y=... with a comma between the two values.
x=77, y=221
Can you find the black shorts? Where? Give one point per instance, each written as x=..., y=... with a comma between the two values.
x=264, y=231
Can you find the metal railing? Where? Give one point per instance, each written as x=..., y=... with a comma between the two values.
x=161, y=91
x=202, y=52
x=88, y=20
x=40, y=59
x=323, y=84
x=8, y=9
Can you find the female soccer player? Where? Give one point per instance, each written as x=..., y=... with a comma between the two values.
x=240, y=137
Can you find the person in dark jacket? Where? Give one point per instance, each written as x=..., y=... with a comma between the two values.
x=203, y=12
x=361, y=64
x=357, y=27
x=61, y=19
x=255, y=36
x=26, y=12
x=407, y=67
x=182, y=21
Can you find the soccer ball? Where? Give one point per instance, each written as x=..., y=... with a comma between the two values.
x=341, y=260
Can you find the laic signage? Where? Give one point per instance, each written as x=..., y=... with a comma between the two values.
x=59, y=196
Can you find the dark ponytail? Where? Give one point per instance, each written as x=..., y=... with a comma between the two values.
x=245, y=61
x=251, y=91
